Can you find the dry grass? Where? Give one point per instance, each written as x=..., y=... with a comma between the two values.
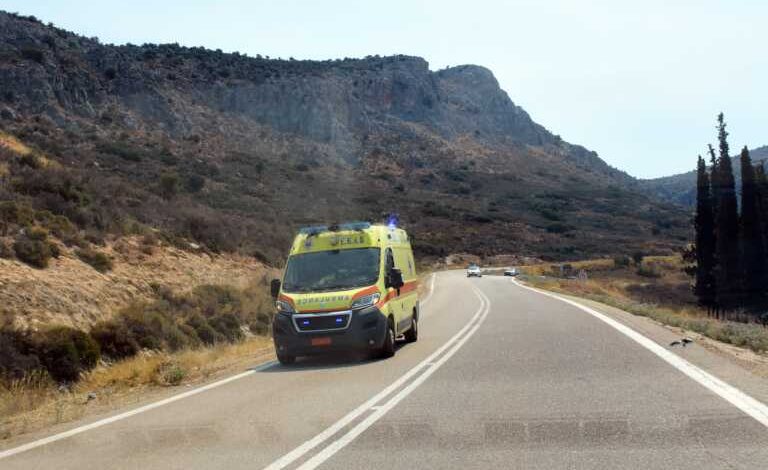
x=20, y=148
x=666, y=298
x=35, y=402
x=71, y=292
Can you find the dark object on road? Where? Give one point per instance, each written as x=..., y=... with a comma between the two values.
x=683, y=342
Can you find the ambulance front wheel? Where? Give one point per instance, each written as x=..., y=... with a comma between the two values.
x=286, y=359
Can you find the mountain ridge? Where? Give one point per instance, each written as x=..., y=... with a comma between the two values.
x=257, y=146
x=681, y=188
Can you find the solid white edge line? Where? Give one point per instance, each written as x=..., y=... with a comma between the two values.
x=323, y=436
x=335, y=446
x=739, y=399
x=128, y=414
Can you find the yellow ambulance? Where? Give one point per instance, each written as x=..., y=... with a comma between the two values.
x=346, y=287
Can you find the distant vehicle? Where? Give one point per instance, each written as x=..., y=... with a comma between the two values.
x=346, y=287
x=474, y=270
x=511, y=272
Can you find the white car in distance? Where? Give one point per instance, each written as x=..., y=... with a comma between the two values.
x=473, y=270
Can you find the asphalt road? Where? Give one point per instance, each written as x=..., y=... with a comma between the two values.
x=501, y=377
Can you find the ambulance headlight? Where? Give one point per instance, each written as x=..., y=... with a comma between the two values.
x=365, y=301
x=284, y=307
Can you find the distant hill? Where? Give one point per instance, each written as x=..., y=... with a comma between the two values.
x=235, y=152
x=681, y=189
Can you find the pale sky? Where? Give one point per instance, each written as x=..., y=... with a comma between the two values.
x=640, y=82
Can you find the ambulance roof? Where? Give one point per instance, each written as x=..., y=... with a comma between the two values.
x=347, y=236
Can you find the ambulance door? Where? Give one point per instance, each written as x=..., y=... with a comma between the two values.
x=395, y=303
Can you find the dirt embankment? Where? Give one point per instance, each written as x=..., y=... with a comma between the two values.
x=71, y=292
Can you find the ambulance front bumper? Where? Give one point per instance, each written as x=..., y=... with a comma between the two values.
x=305, y=334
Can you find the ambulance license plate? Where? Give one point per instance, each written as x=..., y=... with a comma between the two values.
x=323, y=341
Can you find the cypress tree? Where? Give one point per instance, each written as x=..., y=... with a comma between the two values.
x=761, y=183
x=752, y=236
x=728, y=275
x=704, y=289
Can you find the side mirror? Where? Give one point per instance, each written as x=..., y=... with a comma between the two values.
x=274, y=287
x=395, y=278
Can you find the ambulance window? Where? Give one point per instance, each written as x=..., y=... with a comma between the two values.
x=390, y=260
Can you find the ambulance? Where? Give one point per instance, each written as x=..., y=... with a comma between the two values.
x=346, y=287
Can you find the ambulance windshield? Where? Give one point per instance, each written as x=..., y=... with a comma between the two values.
x=332, y=270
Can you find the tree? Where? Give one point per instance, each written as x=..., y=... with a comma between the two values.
x=169, y=185
x=728, y=275
x=761, y=186
x=752, y=237
x=704, y=289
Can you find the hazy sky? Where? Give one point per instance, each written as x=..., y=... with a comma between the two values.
x=640, y=82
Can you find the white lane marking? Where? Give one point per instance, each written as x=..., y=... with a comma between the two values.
x=344, y=440
x=307, y=446
x=739, y=399
x=128, y=414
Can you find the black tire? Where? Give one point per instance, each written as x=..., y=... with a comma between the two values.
x=412, y=335
x=286, y=359
x=388, y=348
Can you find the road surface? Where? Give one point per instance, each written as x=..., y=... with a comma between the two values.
x=501, y=376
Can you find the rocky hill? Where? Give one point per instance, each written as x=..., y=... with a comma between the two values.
x=681, y=189
x=235, y=152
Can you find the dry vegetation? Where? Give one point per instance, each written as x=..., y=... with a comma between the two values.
x=656, y=288
x=36, y=402
x=72, y=292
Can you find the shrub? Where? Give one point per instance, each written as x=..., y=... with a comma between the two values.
x=170, y=373
x=648, y=271
x=195, y=183
x=99, y=261
x=637, y=257
x=115, y=339
x=67, y=352
x=169, y=185
x=6, y=249
x=14, y=213
x=145, y=327
x=17, y=357
x=33, y=53
x=559, y=228
x=204, y=331
x=228, y=325
x=621, y=261
x=121, y=149
x=33, y=248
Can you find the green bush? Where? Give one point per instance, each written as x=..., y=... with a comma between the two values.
x=621, y=261
x=99, y=261
x=33, y=248
x=17, y=355
x=12, y=212
x=204, y=330
x=115, y=339
x=195, y=183
x=66, y=353
x=170, y=373
x=648, y=271
x=169, y=185
x=228, y=325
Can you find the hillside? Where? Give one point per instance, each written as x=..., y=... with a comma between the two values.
x=71, y=292
x=681, y=189
x=235, y=152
